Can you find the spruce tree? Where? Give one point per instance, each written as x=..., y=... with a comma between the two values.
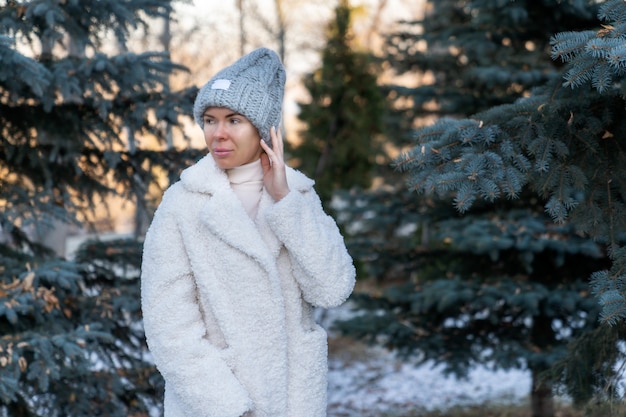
x=344, y=116
x=474, y=55
x=78, y=125
x=491, y=265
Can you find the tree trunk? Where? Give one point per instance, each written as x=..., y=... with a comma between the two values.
x=542, y=337
x=242, y=28
x=541, y=399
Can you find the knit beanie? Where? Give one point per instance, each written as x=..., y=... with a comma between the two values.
x=252, y=86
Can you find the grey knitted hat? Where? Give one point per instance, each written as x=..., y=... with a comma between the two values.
x=253, y=86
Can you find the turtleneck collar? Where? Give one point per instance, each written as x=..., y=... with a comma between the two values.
x=252, y=171
x=247, y=182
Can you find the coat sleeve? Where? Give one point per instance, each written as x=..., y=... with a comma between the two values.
x=322, y=266
x=192, y=367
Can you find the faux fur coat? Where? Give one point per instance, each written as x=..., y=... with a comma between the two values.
x=227, y=303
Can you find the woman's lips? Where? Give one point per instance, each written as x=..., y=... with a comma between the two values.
x=221, y=153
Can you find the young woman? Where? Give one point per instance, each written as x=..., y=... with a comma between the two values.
x=236, y=257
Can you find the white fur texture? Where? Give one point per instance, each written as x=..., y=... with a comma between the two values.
x=227, y=304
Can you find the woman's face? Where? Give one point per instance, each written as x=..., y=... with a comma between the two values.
x=232, y=139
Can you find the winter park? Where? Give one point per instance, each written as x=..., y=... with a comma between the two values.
x=286, y=208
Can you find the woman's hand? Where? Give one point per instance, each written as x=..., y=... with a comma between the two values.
x=273, y=163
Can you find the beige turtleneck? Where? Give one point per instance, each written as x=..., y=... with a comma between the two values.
x=247, y=182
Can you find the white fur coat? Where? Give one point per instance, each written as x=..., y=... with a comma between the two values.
x=227, y=303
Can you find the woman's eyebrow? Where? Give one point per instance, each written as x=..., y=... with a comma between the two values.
x=233, y=114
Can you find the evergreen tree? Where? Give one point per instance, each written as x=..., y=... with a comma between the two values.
x=345, y=114
x=562, y=145
x=71, y=117
x=477, y=54
x=495, y=281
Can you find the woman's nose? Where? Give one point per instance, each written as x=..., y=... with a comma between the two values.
x=220, y=130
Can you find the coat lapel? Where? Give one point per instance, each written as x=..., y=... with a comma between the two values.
x=271, y=241
x=226, y=217
x=298, y=183
x=223, y=214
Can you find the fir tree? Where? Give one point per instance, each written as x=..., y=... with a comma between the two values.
x=474, y=55
x=71, y=117
x=562, y=143
x=345, y=114
x=495, y=281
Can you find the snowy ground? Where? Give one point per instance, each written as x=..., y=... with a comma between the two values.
x=367, y=381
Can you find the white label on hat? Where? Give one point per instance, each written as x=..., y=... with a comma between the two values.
x=221, y=84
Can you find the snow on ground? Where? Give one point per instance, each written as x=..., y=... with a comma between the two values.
x=380, y=382
x=366, y=381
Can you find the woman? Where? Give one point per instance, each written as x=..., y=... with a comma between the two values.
x=237, y=255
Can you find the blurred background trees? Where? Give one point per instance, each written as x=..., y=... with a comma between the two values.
x=344, y=116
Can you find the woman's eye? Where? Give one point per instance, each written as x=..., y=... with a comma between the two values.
x=235, y=121
x=208, y=121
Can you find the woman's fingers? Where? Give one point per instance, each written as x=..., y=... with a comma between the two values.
x=279, y=139
x=274, y=175
x=275, y=153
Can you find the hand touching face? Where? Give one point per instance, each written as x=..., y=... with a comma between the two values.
x=273, y=163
